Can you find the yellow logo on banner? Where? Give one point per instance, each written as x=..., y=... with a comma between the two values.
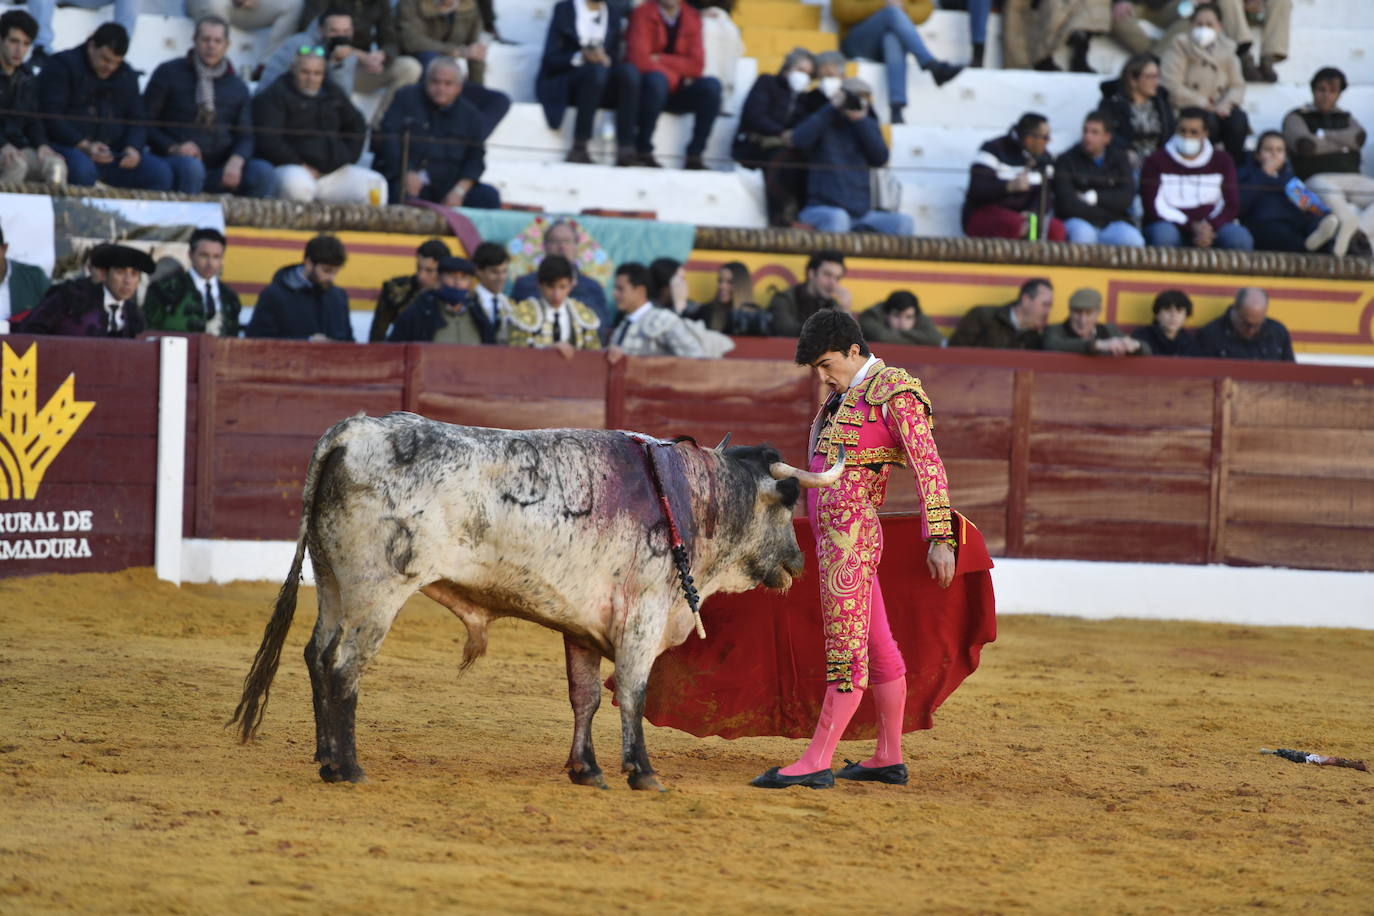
x=29, y=438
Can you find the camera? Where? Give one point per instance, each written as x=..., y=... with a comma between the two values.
x=852, y=102
x=337, y=41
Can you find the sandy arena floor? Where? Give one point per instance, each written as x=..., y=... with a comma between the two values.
x=1086, y=768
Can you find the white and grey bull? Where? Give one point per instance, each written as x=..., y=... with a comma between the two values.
x=561, y=527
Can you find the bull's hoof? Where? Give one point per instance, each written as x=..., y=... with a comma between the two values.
x=591, y=778
x=646, y=782
x=354, y=773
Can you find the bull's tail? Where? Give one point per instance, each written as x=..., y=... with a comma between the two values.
x=258, y=684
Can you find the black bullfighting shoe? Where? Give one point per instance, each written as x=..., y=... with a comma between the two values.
x=821, y=779
x=894, y=775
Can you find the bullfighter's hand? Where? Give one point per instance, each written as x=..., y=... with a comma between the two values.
x=940, y=562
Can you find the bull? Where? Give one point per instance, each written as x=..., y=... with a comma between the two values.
x=561, y=527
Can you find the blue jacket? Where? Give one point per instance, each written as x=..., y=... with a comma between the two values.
x=293, y=308
x=423, y=318
x=88, y=108
x=433, y=131
x=770, y=108
x=560, y=47
x=842, y=148
x=1264, y=198
x=171, y=97
x=585, y=290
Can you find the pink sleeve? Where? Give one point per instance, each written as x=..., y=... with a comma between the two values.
x=909, y=424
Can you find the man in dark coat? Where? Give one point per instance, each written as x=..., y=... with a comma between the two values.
x=790, y=308
x=399, y=292
x=24, y=151
x=899, y=319
x=1245, y=331
x=449, y=313
x=302, y=302
x=1018, y=325
x=196, y=301
x=97, y=115
x=1009, y=182
x=202, y=119
x=583, y=66
x=445, y=156
x=1094, y=186
x=89, y=308
x=772, y=108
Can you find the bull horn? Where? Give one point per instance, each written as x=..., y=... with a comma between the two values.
x=781, y=471
x=724, y=442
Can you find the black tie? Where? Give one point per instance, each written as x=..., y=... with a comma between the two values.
x=209, y=299
x=621, y=331
x=557, y=327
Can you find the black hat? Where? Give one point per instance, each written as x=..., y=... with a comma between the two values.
x=108, y=257
x=456, y=265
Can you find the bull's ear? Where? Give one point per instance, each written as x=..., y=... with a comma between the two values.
x=789, y=491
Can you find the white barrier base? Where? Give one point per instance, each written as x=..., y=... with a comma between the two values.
x=1068, y=588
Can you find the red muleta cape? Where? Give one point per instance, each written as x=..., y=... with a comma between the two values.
x=761, y=669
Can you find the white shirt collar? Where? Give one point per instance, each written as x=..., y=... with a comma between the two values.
x=863, y=373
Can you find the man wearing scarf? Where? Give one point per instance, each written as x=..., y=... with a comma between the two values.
x=202, y=119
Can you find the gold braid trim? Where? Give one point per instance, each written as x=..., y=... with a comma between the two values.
x=892, y=381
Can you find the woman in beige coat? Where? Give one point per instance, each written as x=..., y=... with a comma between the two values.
x=1200, y=69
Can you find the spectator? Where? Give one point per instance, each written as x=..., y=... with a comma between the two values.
x=22, y=286
x=1273, y=17
x=978, y=12
x=24, y=151
x=493, y=267
x=554, y=318
x=96, y=114
x=1245, y=331
x=1269, y=202
x=732, y=310
x=278, y=17
x=561, y=239
x=663, y=43
x=882, y=30
x=1094, y=188
x=764, y=141
x=1200, y=69
x=1142, y=115
x=1033, y=30
x=87, y=307
x=446, y=153
x=452, y=28
x=202, y=120
x=448, y=313
x=125, y=14
x=791, y=307
x=1167, y=336
x=898, y=319
x=668, y=287
x=302, y=302
x=310, y=131
x=582, y=66
x=1018, y=325
x=1082, y=333
x=1188, y=189
x=1010, y=182
x=830, y=66
x=644, y=329
x=399, y=292
x=1325, y=142
x=197, y=301
x=1162, y=14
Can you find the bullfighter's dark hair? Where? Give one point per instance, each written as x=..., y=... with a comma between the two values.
x=113, y=36
x=1321, y=76
x=206, y=234
x=1173, y=299
x=433, y=249
x=821, y=257
x=489, y=254
x=900, y=301
x=635, y=274
x=18, y=19
x=826, y=330
x=326, y=249
x=1032, y=286
x=553, y=268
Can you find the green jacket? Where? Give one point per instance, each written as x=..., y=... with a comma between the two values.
x=173, y=304
x=874, y=325
x=991, y=326
x=28, y=284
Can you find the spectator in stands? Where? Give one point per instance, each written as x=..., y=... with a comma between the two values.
x=24, y=151
x=790, y=308
x=561, y=239
x=1033, y=30
x=96, y=114
x=1018, y=325
x=646, y=329
x=663, y=43
x=668, y=286
x=882, y=30
x=830, y=67
x=732, y=310
x=202, y=120
x=1200, y=69
x=1164, y=15
x=1010, y=182
x=125, y=15
x=764, y=141
x=22, y=286
x=1142, y=116
x=1324, y=142
x=899, y=319
x=449, y=313
x=1081, y=332
x=445, y=157
x=978, y=12
x=87, y=307
x=1167, y=336
x=1280, y=212
x=399, y=292
x=308, y=128
x=302, y=302
x=197, y=300
x=376, y=47
x=493, y=267
x=1272, y=17
x=842, y=143
x=1094, y=188
x=1245, y=331
x=582, y=66
x=555, y=318
x=1188, y=189
x=452, y=28
x=278, y=17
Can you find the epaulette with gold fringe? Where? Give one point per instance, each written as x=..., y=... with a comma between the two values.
x=891, y=381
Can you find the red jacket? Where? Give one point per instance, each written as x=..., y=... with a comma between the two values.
x=648, y=34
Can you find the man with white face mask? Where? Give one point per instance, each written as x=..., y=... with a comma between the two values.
x=1200, y=69
x=772, y=108
x=1189, y=192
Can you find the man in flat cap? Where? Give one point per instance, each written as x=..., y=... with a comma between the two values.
x=1081, y=332
x=87, y=307
x=449, y=313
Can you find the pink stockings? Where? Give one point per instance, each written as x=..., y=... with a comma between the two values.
x=838, y=709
